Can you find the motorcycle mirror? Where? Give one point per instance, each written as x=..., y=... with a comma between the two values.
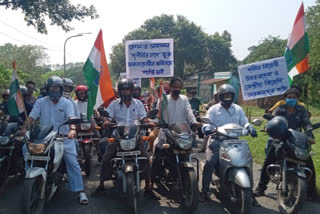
x=316, y=125
x=256, y=122
x=268, y=116
x=83, y=116
x=153, y=113
x=73, y=120
x=205, y=120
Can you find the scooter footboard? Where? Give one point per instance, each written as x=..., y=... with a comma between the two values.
x=240, y=177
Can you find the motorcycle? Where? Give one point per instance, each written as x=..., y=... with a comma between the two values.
x=233, y=173
x=11, y=160
x=173, y=165
x=45, y=174
x=126, y=165
x=86, y=140
x=290, y=173
x=198, y=118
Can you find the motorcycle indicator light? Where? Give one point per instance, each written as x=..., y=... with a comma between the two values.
x=111, y=140
x=145, y=138
x=224, y=155
x=98, y=127
x=165, y=145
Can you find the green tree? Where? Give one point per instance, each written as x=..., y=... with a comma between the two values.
x=59, y=12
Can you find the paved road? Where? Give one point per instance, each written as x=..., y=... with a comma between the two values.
x=111, y=202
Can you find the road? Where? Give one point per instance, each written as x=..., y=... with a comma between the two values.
x=111, y=202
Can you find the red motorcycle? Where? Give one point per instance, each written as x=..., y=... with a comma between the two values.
x=86, y=141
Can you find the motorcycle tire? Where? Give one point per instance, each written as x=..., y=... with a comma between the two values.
x=33, y=204
x=295, y=186
x=4, y=173
x=243, y=199
x=190, y=190
x=131, y=190
x=87, y=159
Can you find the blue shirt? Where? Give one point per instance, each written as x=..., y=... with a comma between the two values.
x=126, y=115
x=221, y=116
x=53, y=114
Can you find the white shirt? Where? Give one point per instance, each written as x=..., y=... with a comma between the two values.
x=179, y=111
x=126, y=115
x=221, y=116
x=53, y=114
x=82, y=106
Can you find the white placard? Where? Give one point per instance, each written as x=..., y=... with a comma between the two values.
x=149, y=58
x=264, y=79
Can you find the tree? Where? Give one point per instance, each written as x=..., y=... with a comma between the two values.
x=29, y=59
x=194, y=50
x=270, y=47
x=60, y=12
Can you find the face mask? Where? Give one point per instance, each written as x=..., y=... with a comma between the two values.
x=176, y=93
x=54, y=95
x=291, y=102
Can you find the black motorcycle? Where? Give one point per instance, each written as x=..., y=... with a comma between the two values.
x=173, y=167
x=11, y=159
x=292, y=150
x=127, y=164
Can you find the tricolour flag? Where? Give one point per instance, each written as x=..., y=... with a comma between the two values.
x=297, y=49
x=15, y=102
x=98, y=78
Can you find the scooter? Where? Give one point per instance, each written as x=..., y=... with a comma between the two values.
x=233, y=178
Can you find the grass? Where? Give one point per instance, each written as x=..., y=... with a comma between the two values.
x=257, y=145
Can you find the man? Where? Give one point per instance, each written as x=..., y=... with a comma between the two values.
x=82, y=98
x=178, y=111
x=30, y=99
x=137, y=93
x=4, y=104
x=125, y=110
x=298, y=119
x=220, y=114
x=67, y=92
x=194, y=101
x=55, y=110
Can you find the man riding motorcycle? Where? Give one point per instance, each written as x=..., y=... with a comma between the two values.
x=124, y=110
x=4, y=104
x=136, y=94
x=82, y=98
x=298, y=119
x=55, y=110
x=224, y=112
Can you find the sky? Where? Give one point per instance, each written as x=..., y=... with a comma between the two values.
x=248, y=21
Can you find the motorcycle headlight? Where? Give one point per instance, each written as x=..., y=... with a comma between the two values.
x=234, y=133
x=37, y=149
x=184, y=143
x=85, y=126
x=128, y=144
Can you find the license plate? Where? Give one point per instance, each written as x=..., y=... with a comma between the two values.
x=235, y=141
x=132, y=153
x=40, y=158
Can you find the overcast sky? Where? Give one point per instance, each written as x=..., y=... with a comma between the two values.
x=248, y=21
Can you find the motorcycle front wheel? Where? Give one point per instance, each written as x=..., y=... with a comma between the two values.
x=296, y=194
x=131, y=190
x=190, y=190
x=238, y=199
x=4, y=172
x=33, y=204
x=87, y=159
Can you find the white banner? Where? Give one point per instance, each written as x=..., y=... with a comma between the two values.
x=149, y=58
x=264, y=79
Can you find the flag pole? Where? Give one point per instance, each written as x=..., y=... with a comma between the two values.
x=19, y=91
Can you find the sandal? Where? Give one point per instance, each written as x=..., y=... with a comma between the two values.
x=83, y=198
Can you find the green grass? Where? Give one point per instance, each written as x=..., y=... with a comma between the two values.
x=257, y=146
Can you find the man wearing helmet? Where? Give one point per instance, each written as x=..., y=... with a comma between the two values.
x=124, y=110
x=297, y=119
x=54, y=110
x=4, y=104
x=67, y=92
x=82, y=98
x=136, y=94
x=224, y=112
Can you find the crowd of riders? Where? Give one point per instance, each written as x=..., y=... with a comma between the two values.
x=56, y=103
